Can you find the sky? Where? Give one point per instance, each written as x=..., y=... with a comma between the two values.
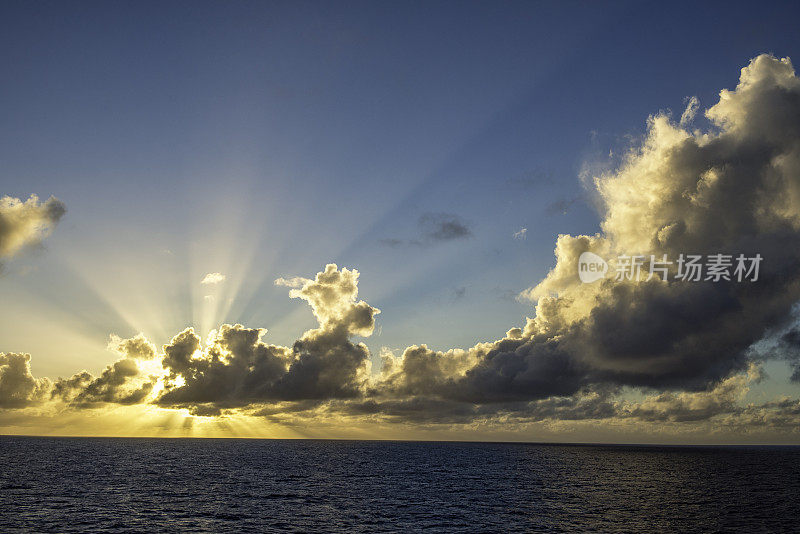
x=298, y=166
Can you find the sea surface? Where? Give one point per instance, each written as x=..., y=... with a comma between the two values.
x=231, y=485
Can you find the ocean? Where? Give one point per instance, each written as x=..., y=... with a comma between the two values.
x=233, y=485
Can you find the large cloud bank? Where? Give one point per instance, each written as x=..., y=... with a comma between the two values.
x=689, y=346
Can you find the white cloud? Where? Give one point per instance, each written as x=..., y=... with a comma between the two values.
x=521, y=235
x=213, y=279
x=294, y=282
x=692, y=104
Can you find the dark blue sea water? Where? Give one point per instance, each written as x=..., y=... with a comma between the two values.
x=154, y=485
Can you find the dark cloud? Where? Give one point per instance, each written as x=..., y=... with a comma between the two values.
x=85, y=390
x=18, y=388
x=120, y=383
x=736, y=190
x=435, y=410
x=433, y=229
x=237, y=368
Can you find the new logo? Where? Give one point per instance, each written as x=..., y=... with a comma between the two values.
x=591, y=267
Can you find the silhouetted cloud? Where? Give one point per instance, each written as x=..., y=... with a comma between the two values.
x=235, y=367
x=18, y=388
x=120, y=383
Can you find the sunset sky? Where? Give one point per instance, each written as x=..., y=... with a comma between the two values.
x=381, y=187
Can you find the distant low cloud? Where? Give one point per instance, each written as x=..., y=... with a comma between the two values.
x=24, y=224
x=213, y=279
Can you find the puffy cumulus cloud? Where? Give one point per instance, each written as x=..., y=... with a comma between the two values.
x=122, y=382
x=26, y=223
x=135, y=348
x=731, y=190
x=235, y=367
x=18, y=388
x=332, y=297
x=734, y=189
x=421, y=371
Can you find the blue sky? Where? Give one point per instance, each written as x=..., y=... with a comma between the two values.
x=268, y=139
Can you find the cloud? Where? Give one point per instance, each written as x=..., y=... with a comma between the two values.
x=695, y=406
x=433, y=229
x=235, y=367
x=785, y=345
x=436, y=227
x=120, y=383
x=735, y=189
x=18, y=388
x=294, y=282
x=561, y=206
x=692, y=105
x=687, y=350
x=24, y=224
x=521, y=234
x=213, y=279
